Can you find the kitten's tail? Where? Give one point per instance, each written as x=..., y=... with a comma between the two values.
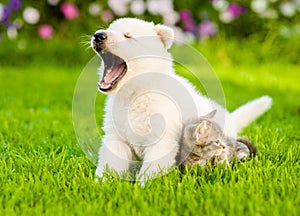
x=247, y=113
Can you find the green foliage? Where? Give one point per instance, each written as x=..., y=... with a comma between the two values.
x=44, y=172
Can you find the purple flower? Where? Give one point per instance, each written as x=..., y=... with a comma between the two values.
x=206, y=29
x=4, y=14
x=185, y=15
x=189, y=26
x=235, y=9
x=15, y=4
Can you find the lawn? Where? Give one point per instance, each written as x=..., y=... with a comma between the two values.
x=43, y=170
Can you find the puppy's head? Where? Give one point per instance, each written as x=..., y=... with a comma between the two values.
x=130, y=47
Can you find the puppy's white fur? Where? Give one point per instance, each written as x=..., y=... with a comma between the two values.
x=145, y=51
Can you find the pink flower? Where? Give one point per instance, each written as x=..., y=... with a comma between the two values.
x=45, y=31
x=235, y=9
x=107, y=16
x=69, y=10
x=206, y=29
x=185, y=15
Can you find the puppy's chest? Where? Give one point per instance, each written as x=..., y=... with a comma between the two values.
x=132, y=115
x=143, y=119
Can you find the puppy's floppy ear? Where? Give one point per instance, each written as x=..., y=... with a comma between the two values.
x=166, y=35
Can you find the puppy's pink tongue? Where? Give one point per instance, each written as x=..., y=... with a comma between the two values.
x=114, y=73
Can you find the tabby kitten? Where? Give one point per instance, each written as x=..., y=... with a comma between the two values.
x=203, y=142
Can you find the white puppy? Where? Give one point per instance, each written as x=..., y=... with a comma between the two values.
x=142, y=117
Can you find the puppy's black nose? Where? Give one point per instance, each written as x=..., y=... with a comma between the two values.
x=100, y=36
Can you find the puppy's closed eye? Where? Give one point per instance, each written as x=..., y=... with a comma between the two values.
x=127, y=35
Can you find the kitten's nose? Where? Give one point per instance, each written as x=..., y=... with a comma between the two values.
x=100, y=36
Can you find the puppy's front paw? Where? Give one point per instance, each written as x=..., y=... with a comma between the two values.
x=99, y=175
x=142, y=183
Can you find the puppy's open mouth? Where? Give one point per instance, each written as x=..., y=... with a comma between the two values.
x=114, y=69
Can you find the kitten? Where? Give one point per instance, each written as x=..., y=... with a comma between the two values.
x=203, y=141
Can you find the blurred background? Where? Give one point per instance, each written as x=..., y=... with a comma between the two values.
x=32, y=30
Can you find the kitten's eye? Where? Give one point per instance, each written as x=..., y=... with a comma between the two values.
x=127, y=35
x=221, y=144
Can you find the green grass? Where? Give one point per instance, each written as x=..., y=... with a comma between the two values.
x=43, y=171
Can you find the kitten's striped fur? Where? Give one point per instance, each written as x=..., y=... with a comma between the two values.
x=203, y=142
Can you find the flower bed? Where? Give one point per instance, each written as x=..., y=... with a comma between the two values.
x=189, y=19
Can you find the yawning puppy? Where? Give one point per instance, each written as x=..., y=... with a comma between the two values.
x=141, y=118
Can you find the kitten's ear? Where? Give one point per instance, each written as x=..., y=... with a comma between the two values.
x=211, y=114
x=203, y=127
x=203, y=130
x=166, y=35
